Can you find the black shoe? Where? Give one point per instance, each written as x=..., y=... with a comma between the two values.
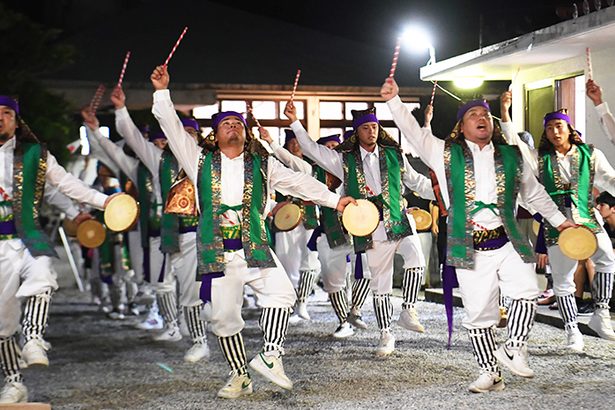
x=585, y=307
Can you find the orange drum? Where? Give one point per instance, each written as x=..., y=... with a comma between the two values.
x=91, y=233
x=422, y=218
x=288, y=217
x=361, y=219
x=122, y=213
x=181, y=199
x=578, y=243
x=70, y=227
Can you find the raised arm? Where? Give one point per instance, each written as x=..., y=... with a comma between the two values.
x=145, y=150
x=284, y=156
x=429, y=147
x=57, y=199
x=417, y=182
x=594, y=93
x=184, y=147
x=529, y=155
x=324, y=157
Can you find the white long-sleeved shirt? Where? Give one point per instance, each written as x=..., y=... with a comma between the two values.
x=332, y=161
x=56, y=176
x=604, y=174
x=431, y=150
x=606, y=120
x=279, y=178
x=57, y=199
x=291, y=161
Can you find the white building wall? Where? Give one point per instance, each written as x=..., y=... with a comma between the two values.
x=603, y=64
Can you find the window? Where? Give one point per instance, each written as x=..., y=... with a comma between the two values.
x=331, y=110
x=234, y=105
x=205, y=111
x=354, y=106
x=298, y=105
x=570, y=94
x=264, y=110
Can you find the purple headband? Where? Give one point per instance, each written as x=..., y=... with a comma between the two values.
x=555, y=116
x=9, y=102
x=469, y=105
x=157, y=136
x=324, y=140
x=217, y=118
x=370, y=117
x=290, y=135
x=190, y=122
x=347, y=134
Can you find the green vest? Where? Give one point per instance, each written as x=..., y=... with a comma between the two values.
x=149, y=219
x=459, y=167
x=329, y=218
x=170, y=224
x=579, y=191
x=29, y=170
x=390, y=201
x=210, y=247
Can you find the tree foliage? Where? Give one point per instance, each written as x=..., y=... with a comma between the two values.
x=30, y=51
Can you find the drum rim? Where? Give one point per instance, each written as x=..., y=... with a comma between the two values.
x=371, y=205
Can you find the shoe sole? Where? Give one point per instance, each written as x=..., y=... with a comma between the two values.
x=506, y=362
x=43, y=363
x=497, y=387
x=243, y=392
x=343, y=336
x=260, y=370
x=411, y=328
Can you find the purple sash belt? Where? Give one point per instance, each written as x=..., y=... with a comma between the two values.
x=205, y=290
x=358, y=265
x=8, y=228
x=186, y=229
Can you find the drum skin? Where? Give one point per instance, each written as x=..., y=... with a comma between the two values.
x=578, y=243
x=122, y=213
x=288, y=217
x=422, y=218
x=361, y=219
x=91, y=233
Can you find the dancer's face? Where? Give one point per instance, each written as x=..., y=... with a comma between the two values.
x=477, y=125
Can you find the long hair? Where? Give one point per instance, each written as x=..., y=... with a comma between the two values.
x=546, y=147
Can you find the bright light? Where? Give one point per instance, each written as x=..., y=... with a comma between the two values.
x=468, y=83
x=416, y=39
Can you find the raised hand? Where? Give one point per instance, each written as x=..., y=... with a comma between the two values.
x=389, y=89
x=291, y=111
x=118, y=98
x=89, y=118
x=594, y=92
x=160, y=78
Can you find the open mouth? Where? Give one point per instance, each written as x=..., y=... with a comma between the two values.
x=482, y=127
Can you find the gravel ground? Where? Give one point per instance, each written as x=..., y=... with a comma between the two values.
x=97, y=363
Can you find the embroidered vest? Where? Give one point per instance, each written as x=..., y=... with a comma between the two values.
x=149, y=217
x=329, y=219
x=210, y=247
x=577, y=193
x=390, y=201
x=29, y=169
x=459, y=166
x=170, y=224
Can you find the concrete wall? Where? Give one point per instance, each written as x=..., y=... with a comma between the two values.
x=603, y=62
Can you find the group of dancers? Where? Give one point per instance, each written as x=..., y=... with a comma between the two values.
x=201, y=263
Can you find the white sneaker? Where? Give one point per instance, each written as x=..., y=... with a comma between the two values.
x=14, y=392
x=271, y=368
x=236, y=386
x=575, y=340
x=169, y=334
x=409, y=319
x=117, y=315
x=600, y=322
x=198, y=351
x=343, y=331
x=386, y=346
x=295, y=319
x=302, y=311
x=34, y=352
x=515, y=360
x=356, y=320
x=153, y=321
x=487, y=382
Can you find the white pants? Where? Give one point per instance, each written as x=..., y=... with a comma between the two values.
x=333, y=271
x=21, y=276
x=480, y=287
x=271, y=287
x=184, y=266
x=563, y=268
x=291, y=248
x=381, y=256
x=157, y=263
